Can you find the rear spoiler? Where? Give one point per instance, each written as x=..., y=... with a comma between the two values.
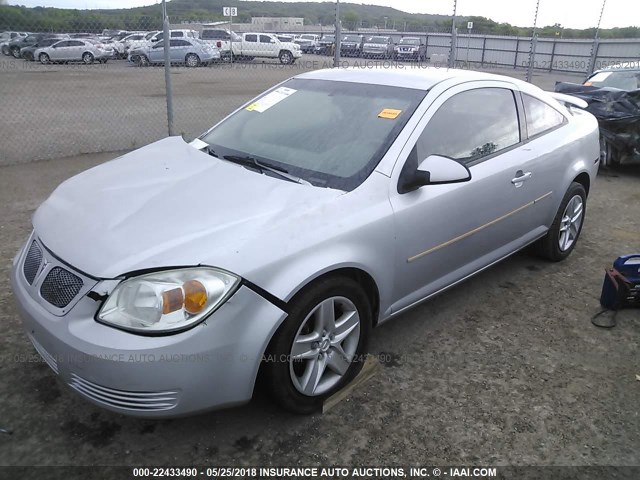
x=569, y=100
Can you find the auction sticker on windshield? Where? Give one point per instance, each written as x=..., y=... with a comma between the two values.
x=270, y=99
x=389, y=113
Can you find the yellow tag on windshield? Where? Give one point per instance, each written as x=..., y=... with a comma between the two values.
x=389, y=113
x=252, y=106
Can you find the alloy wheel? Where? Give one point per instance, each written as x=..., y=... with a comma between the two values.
x=570, y=223
x=324, y=346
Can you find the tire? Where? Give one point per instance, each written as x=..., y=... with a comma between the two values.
x=15, y=52
x=286, y=57
x=5, y=50
x=142, y=61
x=608, y=154
x=87, y=58
x=564, y=232
x=44, y=58
x=292, y=382
x=192, y=60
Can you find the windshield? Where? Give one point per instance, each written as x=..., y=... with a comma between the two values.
x=623, y=80
x=409, y=41
x=337, y=145
x=308, y=37
x=351, y=38
x=329, y=38
x=149, y=35
x=377, y=40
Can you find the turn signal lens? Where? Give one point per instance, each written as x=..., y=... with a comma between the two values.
x=172, y=300
x=195, y=296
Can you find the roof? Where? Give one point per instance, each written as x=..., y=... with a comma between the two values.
x=416, y=76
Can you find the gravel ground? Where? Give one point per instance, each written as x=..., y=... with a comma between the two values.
x=504, y=370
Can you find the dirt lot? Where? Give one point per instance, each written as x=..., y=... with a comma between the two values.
x=505, y=369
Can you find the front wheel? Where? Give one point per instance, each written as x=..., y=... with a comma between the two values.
x=44, y=58
x=192, y=60
x=87, y=58
x=15, y=52
x=286, y=58
x=320, y=347
x=608, y=156
x=142, y=61
x=565, y=230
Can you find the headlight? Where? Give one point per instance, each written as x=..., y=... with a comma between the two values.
x=167, y=301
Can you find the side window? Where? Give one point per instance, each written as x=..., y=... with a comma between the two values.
x=265, y=39
x=251, y=38
x=159, y=36
x=62, y=44
x=471, y=125
x=76, y=43
x=177, y=34
x=540, y=116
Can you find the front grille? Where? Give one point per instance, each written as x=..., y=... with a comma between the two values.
x=123, y=399
x=60, y=287
x=32, y=262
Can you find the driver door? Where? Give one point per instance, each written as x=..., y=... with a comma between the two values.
x=447, y=232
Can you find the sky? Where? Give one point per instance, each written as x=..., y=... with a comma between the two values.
x=569, y=13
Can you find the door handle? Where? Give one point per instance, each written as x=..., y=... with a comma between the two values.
x=520, y=178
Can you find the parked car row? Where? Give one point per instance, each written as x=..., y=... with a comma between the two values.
x=193, y=48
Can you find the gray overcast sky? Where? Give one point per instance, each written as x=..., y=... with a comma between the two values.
x=570, y=13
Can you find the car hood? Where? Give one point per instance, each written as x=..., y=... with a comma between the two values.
x=168, y=204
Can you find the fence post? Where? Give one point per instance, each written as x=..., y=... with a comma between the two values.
x=453, y=51
x=338, y=41
x=532, y=57
x=484, y=46
x=515, y=59
x=594, y=55
x=167, y=68
x=553, y=52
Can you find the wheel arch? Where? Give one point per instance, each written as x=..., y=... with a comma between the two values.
x=360, y=276
x=585, y=180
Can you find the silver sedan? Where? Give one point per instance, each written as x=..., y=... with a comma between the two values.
x=165, y=282
x=191, y=52
x=75, y=50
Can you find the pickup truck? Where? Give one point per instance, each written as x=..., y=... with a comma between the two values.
x=264, y=45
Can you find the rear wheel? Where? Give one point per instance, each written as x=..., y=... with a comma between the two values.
x=192, y=60
x=87, y=58
x=15, y=52
x=44, y=58
x=320, y=347
x=565, y=230
x=286, y=58
x=5, y=50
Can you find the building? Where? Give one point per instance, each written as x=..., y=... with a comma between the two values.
x=277, y=24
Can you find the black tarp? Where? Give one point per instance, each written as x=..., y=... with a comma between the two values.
x=618, y=114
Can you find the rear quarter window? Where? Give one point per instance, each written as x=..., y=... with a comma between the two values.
x=540, y=116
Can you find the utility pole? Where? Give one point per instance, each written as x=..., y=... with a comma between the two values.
x=167, y=68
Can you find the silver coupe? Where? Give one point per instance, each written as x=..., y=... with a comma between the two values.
x=165, y=282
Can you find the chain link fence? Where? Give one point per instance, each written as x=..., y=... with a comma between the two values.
x=66, y=91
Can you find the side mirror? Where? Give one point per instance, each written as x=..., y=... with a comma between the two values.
x=435, y=170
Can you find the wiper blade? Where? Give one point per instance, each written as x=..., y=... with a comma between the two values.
x=257, y=164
